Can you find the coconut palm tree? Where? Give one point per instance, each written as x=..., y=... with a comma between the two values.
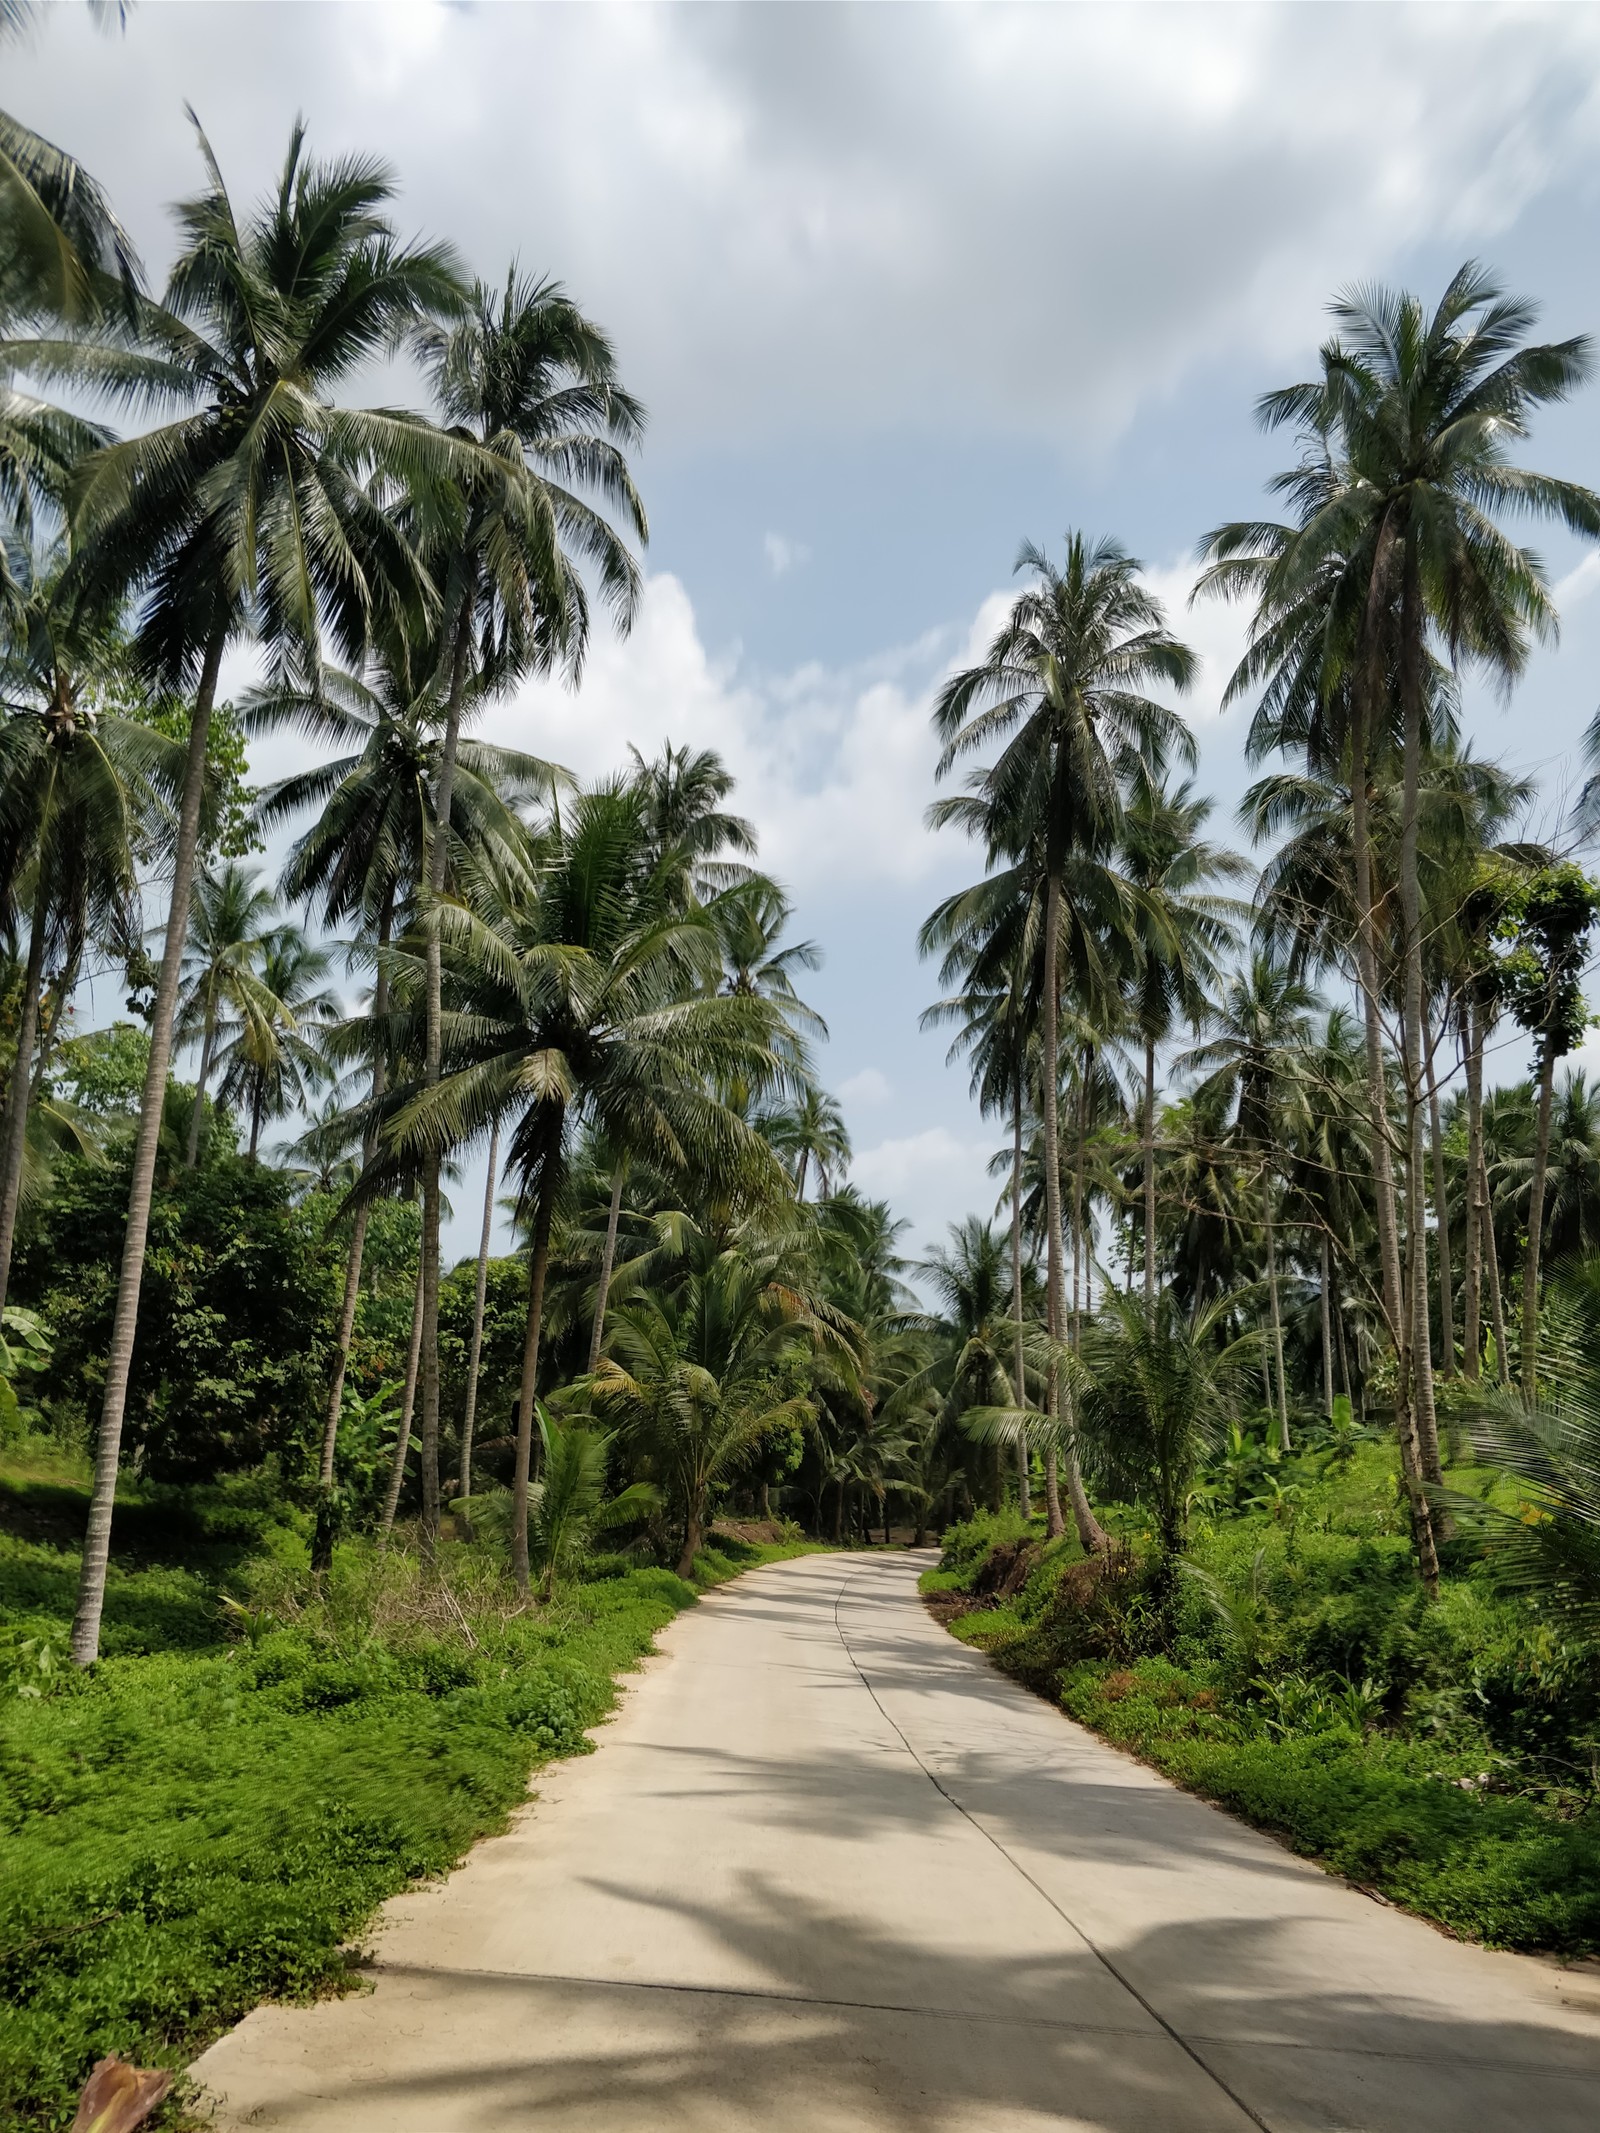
x=693, y=1377
x=1181, y=926
x=1405, y=438
x=531, y=384
x=243, y=515
x=81, y=787
x=273, y=1062
x=1258, y=1026
x=1061, y=694
x=362, y=858
x=232, y=917
x=810, y=1131
x=587, y=1001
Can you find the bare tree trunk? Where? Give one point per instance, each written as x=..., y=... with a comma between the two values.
x=1425, y=1422
x=1080, y=1243
x=1090, y=1532
x=16, y=1136
x=1277, y=1318
x=800, y=1174
x=1472, y=1267
x=408, y=1403
x=1020, y=1394
x=141, y=1189
x=1530, y=1265
x=1378, y=1107
x=363, y=1213
x=1149, y=1172
x=608, y=1259
x=538, y=1265
x=433, y=1060
x=1497, y=1309
x=480, y=1291
x=191, y=1153
x=1327, y=1328
x=1441, y=1206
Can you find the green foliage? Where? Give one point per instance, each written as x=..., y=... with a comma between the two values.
x=217, y=1384
x=209, y=1817
x=1547, y=915
x=103, y=1071
x=1444, y=1753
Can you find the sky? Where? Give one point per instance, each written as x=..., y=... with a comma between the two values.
x=902, y=287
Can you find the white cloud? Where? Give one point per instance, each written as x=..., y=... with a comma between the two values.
x=1578, y=583
x=784, y=555
x=932, y=1178
x=772, y=222
x=870, y=1086
x=835, y=764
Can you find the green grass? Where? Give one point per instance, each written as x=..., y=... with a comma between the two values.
x=213, y=1816
x=1443, y=1754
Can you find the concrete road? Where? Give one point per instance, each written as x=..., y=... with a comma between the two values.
x=829, y=1871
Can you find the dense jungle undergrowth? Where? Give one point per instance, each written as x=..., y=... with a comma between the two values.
x=210, y=1818
x=1441, y=1754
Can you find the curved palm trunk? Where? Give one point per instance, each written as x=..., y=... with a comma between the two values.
x=359, y=1224
x=480, y=1291
x=1472, y=1255
x=1090, y=1532
x=16, y=1137
x=1378, y=1110
x=433, y=1050
x=1149, y=1171
x=1441, y=1206
x=408, y=1405
x=1530, y=1266
x=141, y=1189
x=1019, y=1365
x=208, y=1038
x=538, y=1266
x=608, y=1259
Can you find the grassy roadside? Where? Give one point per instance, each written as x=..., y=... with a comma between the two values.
x=1441, y=1756
x=209, y=1819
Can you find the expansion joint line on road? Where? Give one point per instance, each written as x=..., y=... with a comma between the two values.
x=1037, y=1886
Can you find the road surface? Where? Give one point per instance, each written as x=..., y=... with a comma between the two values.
x=830, y=1871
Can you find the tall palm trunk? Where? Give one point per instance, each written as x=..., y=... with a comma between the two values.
x=1472, y=1254
x=255, y=1122
x=16, y=1137
x=433, y=1059
x=1019, y=1365
x=408, y=1407
x=1378, y=1107
x=208, y=1038
x=1080, y=1241
x=800, y=1174
x=1411, y=625
x=1327, y=1327
x=1441, y=1207
x=480, y=1291
x=608, y=1259
x=1149, y=1171
x=538, y=1266
x=1530, y=1265
x=141, y=1189
x=362, y=1217
x=1282, y=1394
x=1091, y=1533
x=1491, y=1253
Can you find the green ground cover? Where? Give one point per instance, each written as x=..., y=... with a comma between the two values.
x=211, y=1818
x=1441, y=1754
